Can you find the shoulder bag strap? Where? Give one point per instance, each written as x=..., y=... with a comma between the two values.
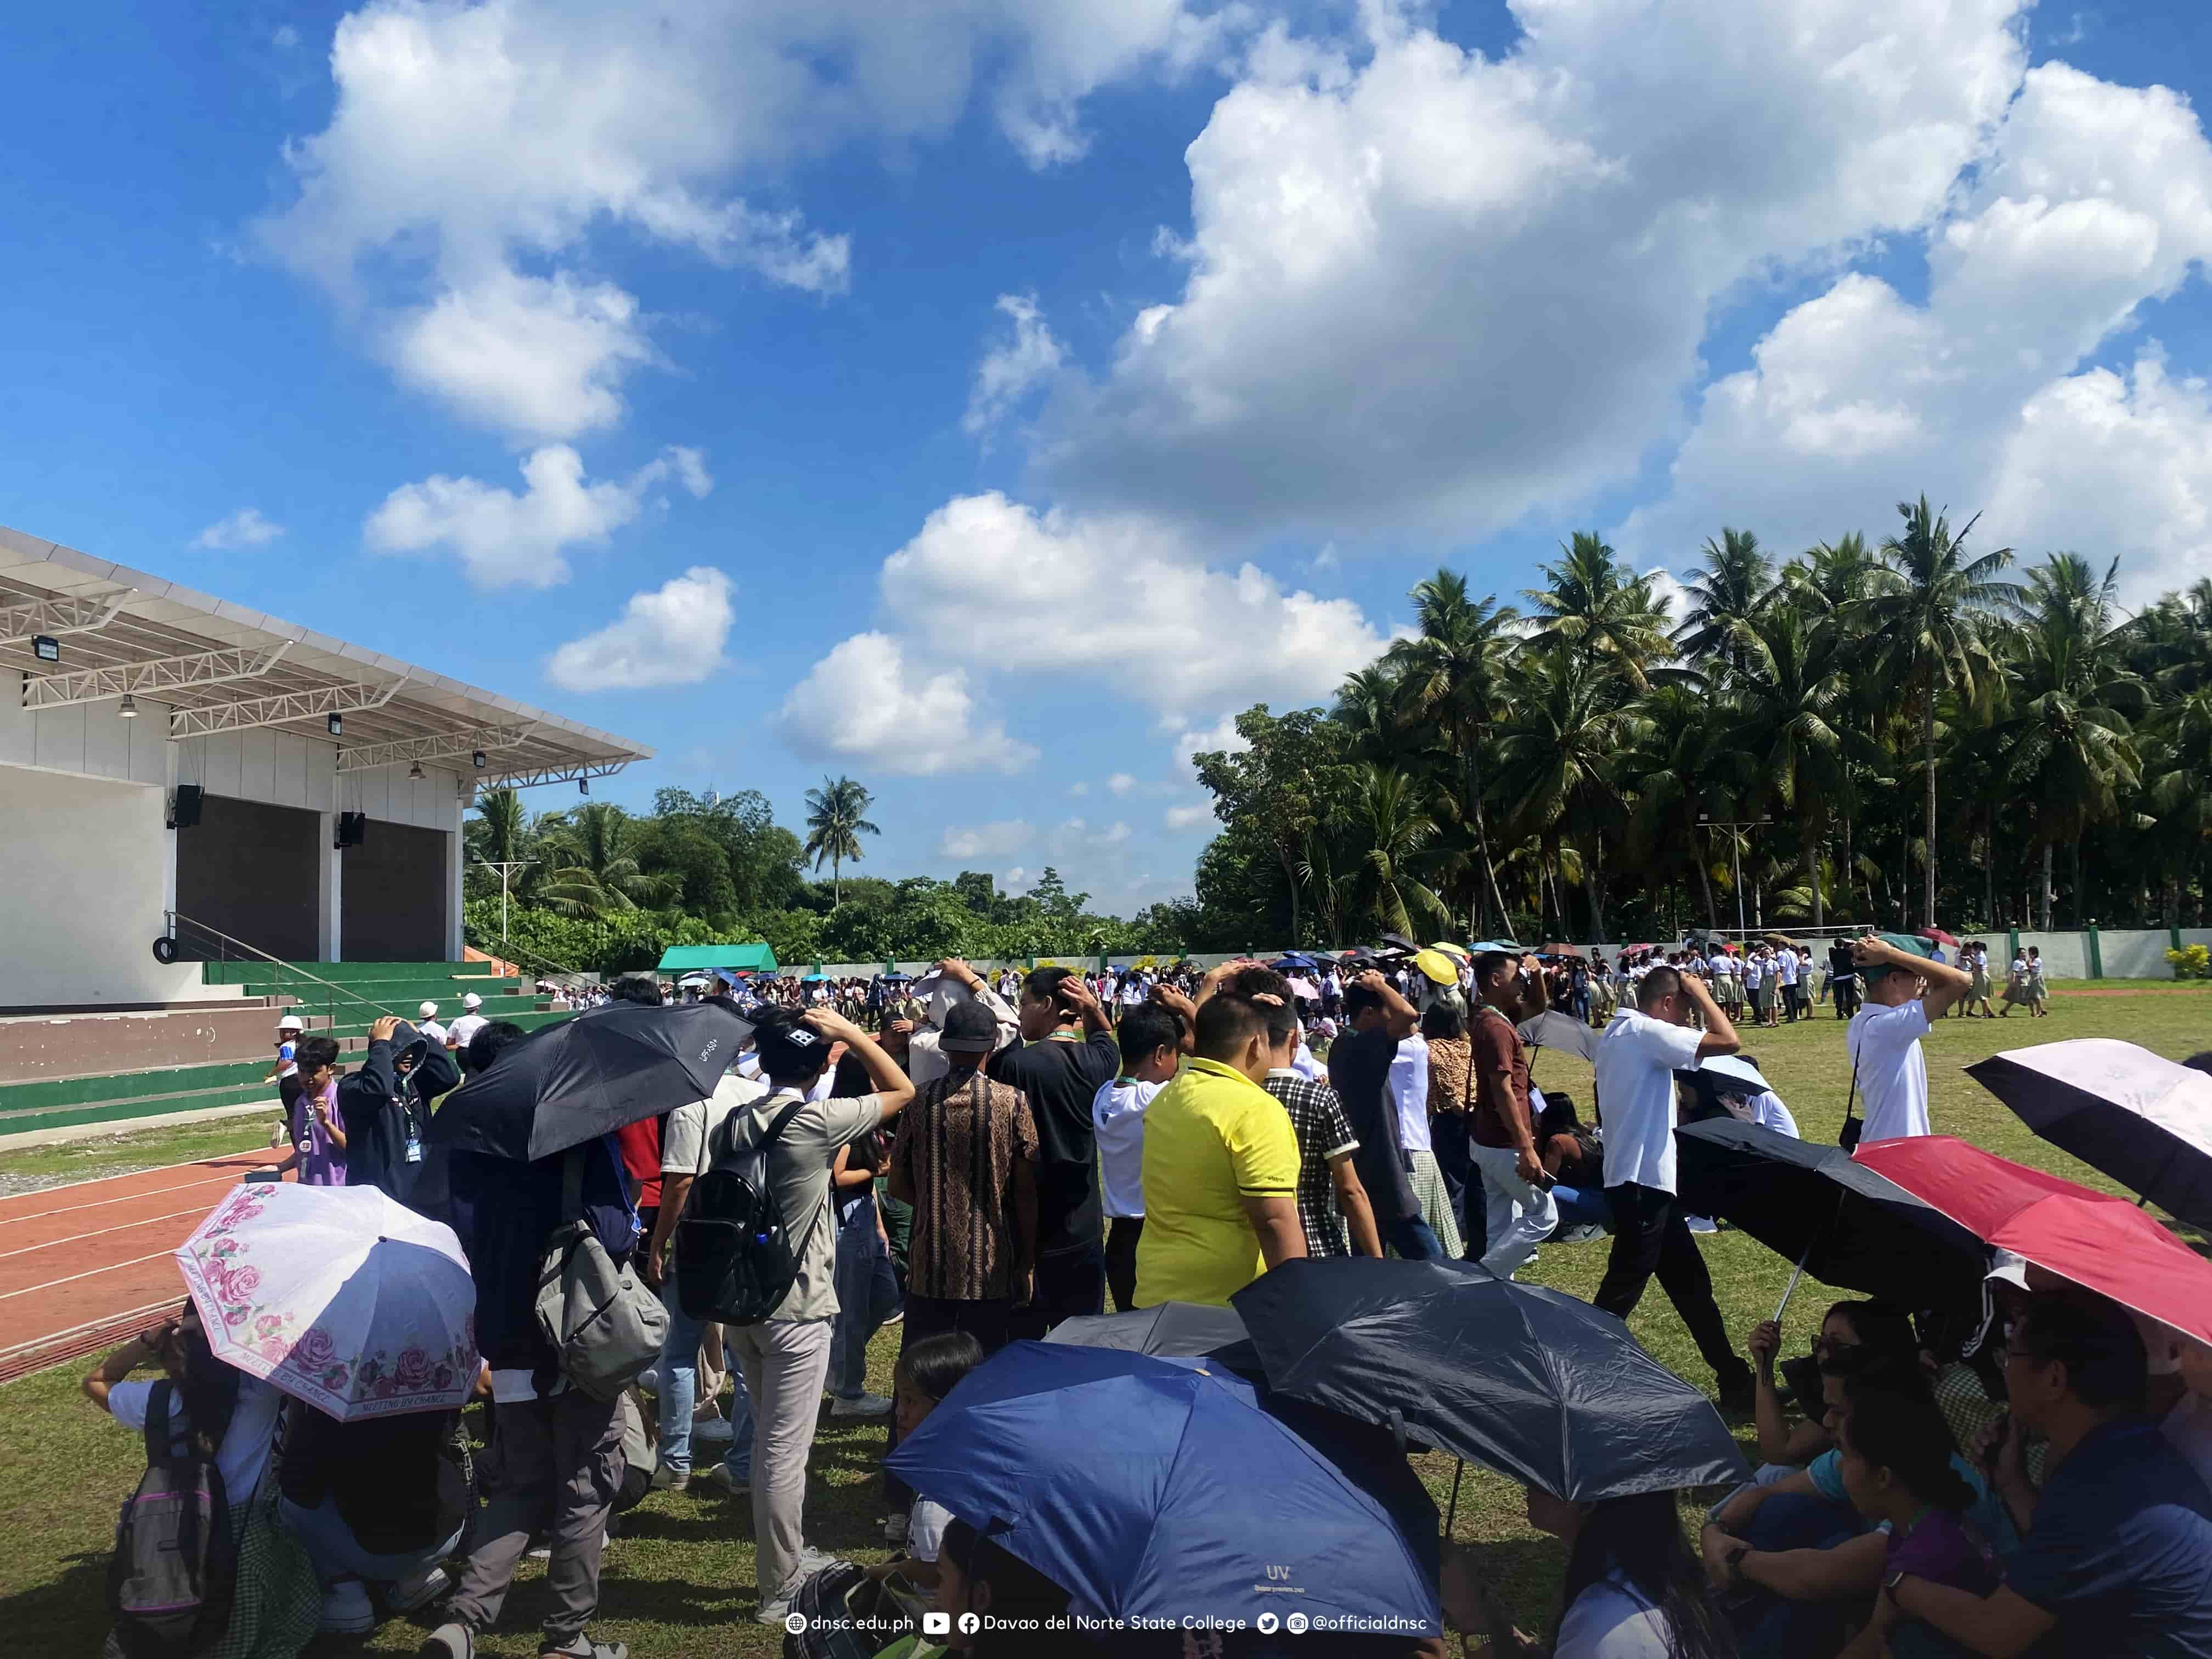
x=1852, y=1099
x=572, y=1185
x=159, y=1447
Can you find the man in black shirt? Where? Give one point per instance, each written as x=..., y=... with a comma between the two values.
x=1377, y=1020
x=385, y=1105
x=1066, y=1055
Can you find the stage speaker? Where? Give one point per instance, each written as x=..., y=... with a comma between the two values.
x=353, y=828
x=186, y=811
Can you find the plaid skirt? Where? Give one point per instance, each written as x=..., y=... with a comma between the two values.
x=1427, y=1179
x=280, y=1600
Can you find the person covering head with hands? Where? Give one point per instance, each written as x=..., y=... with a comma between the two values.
x=1637, y=1059
x=1377, y=1020
x=1903, y=990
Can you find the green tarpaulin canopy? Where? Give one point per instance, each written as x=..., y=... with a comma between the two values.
x=747, y=959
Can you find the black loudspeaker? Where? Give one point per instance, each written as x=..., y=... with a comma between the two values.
x=353, y=828
x=186, y=813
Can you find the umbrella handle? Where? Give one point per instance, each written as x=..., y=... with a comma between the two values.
x=1451, y=1512
x=1791, y=1289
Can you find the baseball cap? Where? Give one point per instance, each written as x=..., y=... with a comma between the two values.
x=428, y=1010
x=291, y=1023
x=969, y=1029
x=2008, y=1268
x=472, y=1002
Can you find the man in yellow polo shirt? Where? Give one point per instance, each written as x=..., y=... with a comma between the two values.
x=1221, y=1166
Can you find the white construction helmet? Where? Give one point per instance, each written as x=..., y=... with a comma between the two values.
x=291, y=1023
x=428, y=1010
x=472, y=1002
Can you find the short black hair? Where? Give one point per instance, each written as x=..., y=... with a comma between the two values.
x=312, y=1054
x=1145, y=1029
x=789, y=1049
x=1358, y=999
x=933, y=1364
x=1659, y=984
x=1043, y=983
x=1226, y=1022
x=1907, y=1436
x=2095, y=1340
x=641, y=989
x=1444, y=1020
x=1882, y=1327
x=491, y=1041
x=1489, y=963
x=1281, y=1014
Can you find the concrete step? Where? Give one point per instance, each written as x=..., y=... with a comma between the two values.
x=61, y=1093
x=236, y=972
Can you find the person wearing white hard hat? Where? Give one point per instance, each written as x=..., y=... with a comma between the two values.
x=428, y=1022
x=458, y=1034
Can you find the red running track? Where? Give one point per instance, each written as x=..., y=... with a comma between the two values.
x=84, y=1265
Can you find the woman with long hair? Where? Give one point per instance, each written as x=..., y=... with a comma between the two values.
x=1634, y=1588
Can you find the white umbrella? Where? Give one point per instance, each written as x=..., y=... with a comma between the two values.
x=2142, y=1118
x=336, y=1296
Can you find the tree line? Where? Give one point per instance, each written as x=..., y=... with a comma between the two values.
x=1913, y=733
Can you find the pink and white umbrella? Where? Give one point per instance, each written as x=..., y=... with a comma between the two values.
x=336, y=1296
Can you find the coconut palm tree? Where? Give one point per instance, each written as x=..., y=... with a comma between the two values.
x=1597, y=609
x=591, y=869
x=836, y=819
x=1393, y=833
x=1792, y=696
x=1559, y=756
x=1450, y=671
x=1927, y=631
x=1733, y=586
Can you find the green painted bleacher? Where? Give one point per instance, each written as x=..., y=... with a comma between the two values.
x=124, y=1097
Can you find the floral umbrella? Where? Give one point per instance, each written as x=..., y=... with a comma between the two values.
x=336, y=1296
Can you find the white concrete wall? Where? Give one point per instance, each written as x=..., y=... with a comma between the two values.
x=81, y=876
x=89, y=739
x=282, y=767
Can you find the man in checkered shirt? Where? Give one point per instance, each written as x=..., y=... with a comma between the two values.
x=1330, y=1197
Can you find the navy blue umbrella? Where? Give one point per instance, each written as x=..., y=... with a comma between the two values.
x=1540, y=1386
x=1158, y=1488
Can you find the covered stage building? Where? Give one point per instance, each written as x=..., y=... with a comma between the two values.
x=163, y=753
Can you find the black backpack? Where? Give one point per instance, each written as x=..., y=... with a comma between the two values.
x=174, y=1571
x=736, y=1259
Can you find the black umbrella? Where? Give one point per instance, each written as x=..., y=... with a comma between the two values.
x=2144, y=1120
x=1183, y=1329
x=573, y=1082
x=1527, y=1381
x=1835, y=1218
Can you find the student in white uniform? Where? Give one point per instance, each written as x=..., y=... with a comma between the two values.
x=1904, y=990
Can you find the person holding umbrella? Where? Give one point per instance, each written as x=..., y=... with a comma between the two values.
x=1637, y=1059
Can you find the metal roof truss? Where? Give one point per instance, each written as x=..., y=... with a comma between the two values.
x=443, y=746
x=151, y=677
x=276, y=710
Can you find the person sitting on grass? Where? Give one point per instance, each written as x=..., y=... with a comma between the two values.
x=926, y=1372
x=1875, y=1327
x=1895, y=1460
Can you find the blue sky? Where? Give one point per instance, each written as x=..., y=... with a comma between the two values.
x=986, y=399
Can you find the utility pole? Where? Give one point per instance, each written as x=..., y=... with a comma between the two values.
x=505, y=870
x=1736, y=855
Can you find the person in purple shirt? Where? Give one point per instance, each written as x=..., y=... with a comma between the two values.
x=318, y=1127
x=1895, y=1457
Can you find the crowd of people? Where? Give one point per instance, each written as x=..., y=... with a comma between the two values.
x=977, y=1158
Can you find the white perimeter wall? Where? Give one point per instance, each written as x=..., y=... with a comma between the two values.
x=81, y=900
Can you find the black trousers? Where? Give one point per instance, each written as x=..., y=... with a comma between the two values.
x=1651, y=1235
x=1068, y=1283
x=1123, y=1232
x=1448, y=1142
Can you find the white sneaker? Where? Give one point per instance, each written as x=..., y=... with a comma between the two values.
x=864, y=1405
x=774, y=1612
x=811, y=1560
x=347, y=1610
x=421, y=1590
x=1704, y=1224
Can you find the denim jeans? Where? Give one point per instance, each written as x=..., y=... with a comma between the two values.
x=867, y=1295
x=331, y=1545
x=1583, y=1206
x=1413, y=1239
x=678, y=1375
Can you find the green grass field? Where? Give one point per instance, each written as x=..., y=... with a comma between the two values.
x=680, y=1580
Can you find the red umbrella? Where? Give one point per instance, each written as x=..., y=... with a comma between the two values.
x=2092, y=1238
x=1938, y=935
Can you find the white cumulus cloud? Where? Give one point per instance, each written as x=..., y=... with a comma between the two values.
x=1121, y=783
x=1010, y=370
x=245, y=528
x=865, y=702
x=672, y=636
x=1183, y=818
x=984, y=840
x=504, y=539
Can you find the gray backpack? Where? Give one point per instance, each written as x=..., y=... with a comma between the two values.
x=171, y=1581
x=606, y=1328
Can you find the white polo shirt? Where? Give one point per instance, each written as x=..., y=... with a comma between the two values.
x=1884, y=1044
x=1637, y=1059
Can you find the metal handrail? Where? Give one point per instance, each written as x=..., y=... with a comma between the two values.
x=509, y=950
x=330, y=1005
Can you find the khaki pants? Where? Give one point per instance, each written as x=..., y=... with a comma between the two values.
x=785, y=1364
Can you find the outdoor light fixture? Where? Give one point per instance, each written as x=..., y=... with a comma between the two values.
x=46, y=649
x=129, y=709
x=583, y=786
x=415, y=772
x=478, y=758
x=336, y=723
